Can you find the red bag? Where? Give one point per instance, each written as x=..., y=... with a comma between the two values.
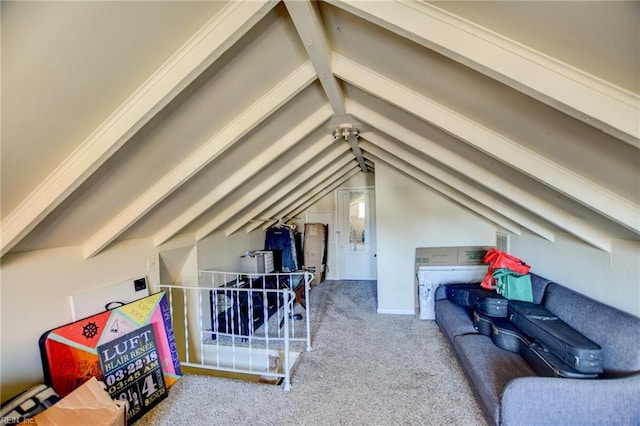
x=497, y=259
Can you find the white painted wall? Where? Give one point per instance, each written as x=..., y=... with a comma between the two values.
x=612, y=278
x=410, y=215
x=36, y=286
x=223, y=254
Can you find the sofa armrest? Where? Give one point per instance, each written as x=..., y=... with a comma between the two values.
x=441, y=292
x=554, y=401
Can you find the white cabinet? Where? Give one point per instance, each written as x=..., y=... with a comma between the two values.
x=429, y=277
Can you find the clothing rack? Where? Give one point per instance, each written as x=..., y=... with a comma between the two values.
x=280, y=237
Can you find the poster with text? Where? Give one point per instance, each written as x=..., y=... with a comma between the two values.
x=70, y=355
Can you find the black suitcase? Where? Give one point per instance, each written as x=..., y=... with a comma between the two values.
x=472, y=296
x=556, y=336
x=544, y=363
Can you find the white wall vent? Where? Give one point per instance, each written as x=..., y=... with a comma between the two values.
x=502, y=241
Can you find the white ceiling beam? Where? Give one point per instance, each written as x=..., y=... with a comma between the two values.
x=585, y=97
x=321, y=146
x=308, y=24
x=198, y=53
x=443, y=189
x=214, y=147
x=324, y=192
x=563, y=180
x=274, y=211
x=303, y=200
x=244, y=173
x=338, y=153
x=576, y=226
x=382, y=147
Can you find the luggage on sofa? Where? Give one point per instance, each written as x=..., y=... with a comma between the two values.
x=507, y=336
x=471, y=296
x=503, y=332
x=482, y=323
x=556, y=336
x=544, y=363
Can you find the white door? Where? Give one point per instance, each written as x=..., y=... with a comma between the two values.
x=356, y=234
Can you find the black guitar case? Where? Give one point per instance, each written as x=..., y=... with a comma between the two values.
x=503, y=332
x=483, y=323
x=472, y=296
x=546, y=364
x=556, y=336
x=507, y=336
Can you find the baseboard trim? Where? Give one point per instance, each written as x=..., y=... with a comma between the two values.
x=397, y=311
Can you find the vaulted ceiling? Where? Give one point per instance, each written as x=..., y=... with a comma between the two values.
x=127, y=120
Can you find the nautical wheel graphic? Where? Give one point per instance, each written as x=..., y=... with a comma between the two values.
x=90, y=330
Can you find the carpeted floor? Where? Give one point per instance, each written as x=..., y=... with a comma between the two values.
x=365, y=369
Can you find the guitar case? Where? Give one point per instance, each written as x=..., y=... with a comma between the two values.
x=546, y=364
x=507, y=336
x=556, y=336
x=503, y=332
x=472, y=296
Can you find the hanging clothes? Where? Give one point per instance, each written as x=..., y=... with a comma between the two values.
x=281, y=238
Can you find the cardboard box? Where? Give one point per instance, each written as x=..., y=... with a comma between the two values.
x=450, y=256
x=315, y=249
x=90, y=404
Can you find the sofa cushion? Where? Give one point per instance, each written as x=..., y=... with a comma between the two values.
x=453, y=320
x=489, y=369
x=538, y=287
x=617, y=332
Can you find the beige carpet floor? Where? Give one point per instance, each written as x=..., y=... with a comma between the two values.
x=365, y=369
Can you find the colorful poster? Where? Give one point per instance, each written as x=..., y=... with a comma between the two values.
x=70, y=356
x=131, y=368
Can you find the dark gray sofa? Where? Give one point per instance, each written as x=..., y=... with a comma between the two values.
x=509, y=391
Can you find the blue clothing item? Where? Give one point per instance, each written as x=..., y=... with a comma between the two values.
x=281, y=238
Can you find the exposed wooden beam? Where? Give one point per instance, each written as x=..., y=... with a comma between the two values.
x=578, y=227
x=214, y=147
x=339, y=153
x=323, y=192
x=500, y=212
x=274, y=210
x=554, y=175
x=303, y=200
x=244, y=173
x=308, y=23
x=321, y=146
x=445, y=190
x=452, y=180
x=215, y=38
x=585, y=97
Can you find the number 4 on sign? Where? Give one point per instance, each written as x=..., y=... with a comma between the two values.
x=149, y=386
